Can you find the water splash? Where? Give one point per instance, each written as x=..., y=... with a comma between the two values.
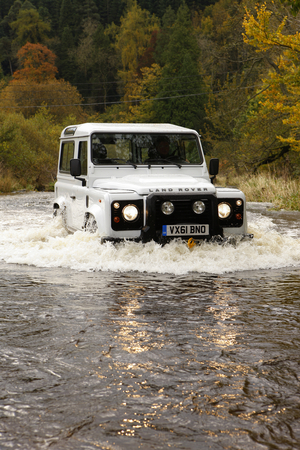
x=47, y=244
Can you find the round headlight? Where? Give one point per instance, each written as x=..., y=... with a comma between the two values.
x=224, y=210
x=130, y=212
x=198, y=207
x=167, y=208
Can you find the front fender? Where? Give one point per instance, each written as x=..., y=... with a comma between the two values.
x=99, y=214
x=59, y=205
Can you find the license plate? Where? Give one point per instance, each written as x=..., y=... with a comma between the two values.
x=185, y=230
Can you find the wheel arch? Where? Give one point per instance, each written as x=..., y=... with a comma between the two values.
x=98, y=213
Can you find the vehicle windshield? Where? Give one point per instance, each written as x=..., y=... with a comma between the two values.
x=145, y=149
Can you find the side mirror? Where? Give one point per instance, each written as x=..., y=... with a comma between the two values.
x=213, y=168
x=75, y=167
x=75, y=170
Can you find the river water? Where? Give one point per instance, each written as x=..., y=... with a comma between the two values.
x=146, y=347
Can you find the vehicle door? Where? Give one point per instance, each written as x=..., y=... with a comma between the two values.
x=79, y=194
x=65, y=180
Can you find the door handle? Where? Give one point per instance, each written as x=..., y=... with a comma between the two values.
x=72, y=197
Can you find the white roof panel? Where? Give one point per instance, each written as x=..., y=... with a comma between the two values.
x=86, y=129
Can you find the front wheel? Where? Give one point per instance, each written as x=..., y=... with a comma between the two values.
x=90, y=224
x=61, y=212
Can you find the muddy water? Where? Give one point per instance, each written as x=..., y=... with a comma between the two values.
x=131, y=346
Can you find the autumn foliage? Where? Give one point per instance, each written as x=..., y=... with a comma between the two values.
x=282, y=91
x=34, y=86
x=37, y=64
x=228, y=68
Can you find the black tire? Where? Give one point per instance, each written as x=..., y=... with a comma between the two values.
x=90, y=224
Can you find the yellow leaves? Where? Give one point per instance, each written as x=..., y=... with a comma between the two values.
x=134, y=37
x=29, y=147
x=261, y=32
x=207, y=26
x=27, y=97
x=139, y=92
x=283, y=94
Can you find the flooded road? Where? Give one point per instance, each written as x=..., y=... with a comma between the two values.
x=143, y=347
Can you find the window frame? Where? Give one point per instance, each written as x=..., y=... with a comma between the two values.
x=64, y=166
x=83, y=148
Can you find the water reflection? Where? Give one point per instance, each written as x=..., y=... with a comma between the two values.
x=224, y=309
x=108, y=359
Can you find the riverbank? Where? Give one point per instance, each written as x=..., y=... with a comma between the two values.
x=282, y=192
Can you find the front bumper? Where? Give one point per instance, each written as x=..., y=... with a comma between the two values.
x=183, y=215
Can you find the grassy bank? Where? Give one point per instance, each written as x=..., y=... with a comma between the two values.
x=283, y=193
x=9, y=183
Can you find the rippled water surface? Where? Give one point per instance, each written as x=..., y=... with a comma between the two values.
x=143, y=347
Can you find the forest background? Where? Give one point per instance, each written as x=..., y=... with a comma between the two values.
x=228, y=68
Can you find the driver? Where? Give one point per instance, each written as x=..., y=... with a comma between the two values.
x=161, y=149
x=163, y=146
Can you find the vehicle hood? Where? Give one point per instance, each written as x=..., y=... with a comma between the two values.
x=147, y=184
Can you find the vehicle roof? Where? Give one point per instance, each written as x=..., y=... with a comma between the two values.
x=85, y=129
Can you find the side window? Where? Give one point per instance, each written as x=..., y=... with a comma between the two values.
x=66, y=153
x=82, y=155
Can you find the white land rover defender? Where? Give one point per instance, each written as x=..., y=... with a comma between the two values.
x=143, y=182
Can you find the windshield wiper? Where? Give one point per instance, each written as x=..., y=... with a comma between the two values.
x=126, y=162
x=164, y=160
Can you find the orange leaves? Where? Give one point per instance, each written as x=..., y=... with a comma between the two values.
x=37, y=63
x=34, y=86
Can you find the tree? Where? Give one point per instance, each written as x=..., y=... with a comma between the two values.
x=29, y=27
x=164, y=34
x=142, y=91
x=7, y=51
x=181, y=95
x=83, y=54
x=34, y=86
x=65, y=18
x=234, y=130
x=295, y=5
x=37, y=63
x=131, y=42
x=282, y=90
x=64, y=50
x=110, y=11
x=28, y=148
x=11, y=16
x=133, y=38
x=146, y=90
x=96, y=63
x=104, y=71
x=53, y=7
x=90, y=11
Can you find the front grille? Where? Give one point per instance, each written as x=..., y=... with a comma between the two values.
x=183, y=212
